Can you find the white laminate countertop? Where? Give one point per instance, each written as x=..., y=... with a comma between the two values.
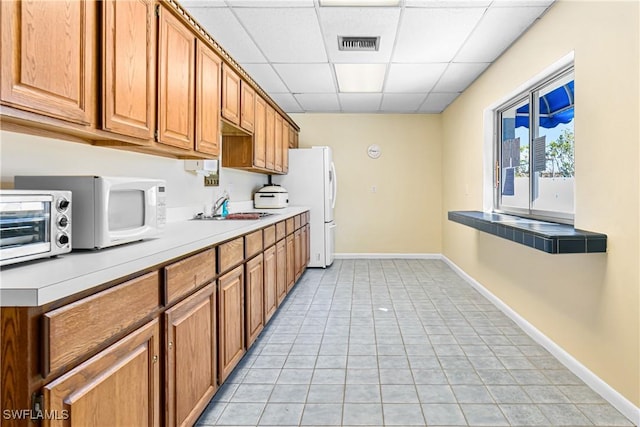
x=35, y=283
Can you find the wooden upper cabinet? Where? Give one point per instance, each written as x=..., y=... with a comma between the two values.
x=176, y=73
x=230, y=95
x=208, y=81
x=48, y=58
x=248, y=105
x=278, y=143
x=270, y=147
x=191, y=356
x=128, y=67
x=120, y=385
x=260, y=133
x=285, y=146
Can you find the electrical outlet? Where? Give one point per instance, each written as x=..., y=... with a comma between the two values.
x=212, y=180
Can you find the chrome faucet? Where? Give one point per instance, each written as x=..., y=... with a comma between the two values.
x=218, y=203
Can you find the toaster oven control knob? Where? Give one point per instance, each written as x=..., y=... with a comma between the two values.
x=63, y=221
x=62, y=240
x=63, y=204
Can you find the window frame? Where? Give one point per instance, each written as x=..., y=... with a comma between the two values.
x=530, y=94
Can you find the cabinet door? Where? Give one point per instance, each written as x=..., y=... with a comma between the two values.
x=230, y=95
x=190, y=328
x=281, y=270
x=231, y=346
x=285, y=146
x=291, y=268
x=278, y=143
x=308, y=244
x=208, y=75
x=260, y=133
x=297, y=237
x=176, y=73
x=304, y=247
x=128, y=67
x=270, y=283
x=254, y=302
x=48, y=63
x=118, y=386
x=248, y=106
x=270, y=147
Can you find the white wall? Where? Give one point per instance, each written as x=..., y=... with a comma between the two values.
x=22, y=154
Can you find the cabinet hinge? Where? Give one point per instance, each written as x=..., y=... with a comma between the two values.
x=37, y=404
x=155, y=135
x=157, y=10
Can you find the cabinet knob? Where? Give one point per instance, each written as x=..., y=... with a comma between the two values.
x=155, y=358
x=170, y=345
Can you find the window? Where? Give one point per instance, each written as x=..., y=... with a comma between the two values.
x=534, y=151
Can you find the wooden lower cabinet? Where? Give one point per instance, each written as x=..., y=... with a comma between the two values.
x=190, y=328
x=304, y=240
x=270, y=283
x=254, y=303
x=307, y=244
x=297, y=243
x=118, y=386
x=281, y=270
x=231, y=344
x=291, y=267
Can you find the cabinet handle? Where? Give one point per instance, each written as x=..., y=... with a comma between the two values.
x=155, y=358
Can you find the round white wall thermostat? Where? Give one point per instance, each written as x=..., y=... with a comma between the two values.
x=374, y=151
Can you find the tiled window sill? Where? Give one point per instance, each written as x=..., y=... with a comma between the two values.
x=548, y=237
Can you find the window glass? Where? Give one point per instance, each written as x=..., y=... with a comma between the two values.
x=514, y=157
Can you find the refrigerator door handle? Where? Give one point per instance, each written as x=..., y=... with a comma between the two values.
x=334, y=183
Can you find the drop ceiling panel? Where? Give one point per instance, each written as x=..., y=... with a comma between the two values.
x=437, y=102
x=266, y=77
x=312, y=78
x=270, y=3
x=286, y=35
x=412, y=78
x=287, y=102
x=223, y=26
x=401, y=102
x=360, y=102
x=459, y=76
x=318, y=101
x=359, y=21
x=434, y=35
x=447, y=3
x=498, y=28
x=189, y=4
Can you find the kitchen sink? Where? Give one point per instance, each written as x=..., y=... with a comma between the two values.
x=233, y=216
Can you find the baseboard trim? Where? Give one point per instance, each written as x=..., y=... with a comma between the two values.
x=617, y=400
x=386, y=256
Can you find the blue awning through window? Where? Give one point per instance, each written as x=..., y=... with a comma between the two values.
x=556, y=107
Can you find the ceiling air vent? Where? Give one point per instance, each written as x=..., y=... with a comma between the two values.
x=361, y=44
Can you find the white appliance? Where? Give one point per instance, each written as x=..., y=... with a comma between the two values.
x=271, y=197
x=311, y=182
x=108, y=211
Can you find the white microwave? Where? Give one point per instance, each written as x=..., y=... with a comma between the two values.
x=108, y=211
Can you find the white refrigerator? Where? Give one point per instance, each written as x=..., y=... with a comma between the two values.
x=311, y=182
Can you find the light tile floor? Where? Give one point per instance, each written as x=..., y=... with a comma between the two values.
x=399, y=342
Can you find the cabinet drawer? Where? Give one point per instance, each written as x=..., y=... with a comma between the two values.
x=290, y=225
x=253, y=243
x=297, y=222
x=281, y=230
x=188, y=274
x=269, y=236
x=304, y=219
x=230, y=254
x=83, y=326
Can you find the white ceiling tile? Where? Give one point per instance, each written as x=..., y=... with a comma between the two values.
x=360, y=102
x=318, y=102
x=401, y=102
x=287, y=102
x=270, y=3
x=266, y=77
x=458, y=76
x=412, y=78
x=359, y=21
x=434, y=35
x=188, y=4
x=447, y=3
x=521, y=3
x=314, y=78
x=289, y=35
x=223, y=26
x=496, y=31
x=437, y=102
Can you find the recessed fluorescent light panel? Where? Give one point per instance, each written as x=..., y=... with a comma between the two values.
x=359, y=3
x=360, y=77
